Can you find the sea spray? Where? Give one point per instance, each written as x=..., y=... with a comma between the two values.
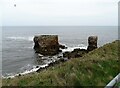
x=20, y=38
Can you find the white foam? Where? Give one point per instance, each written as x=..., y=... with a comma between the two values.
x=69, y=49
x=82, y=46
x=30, y=71
x=34, y=69
x=40, y=55
x=43, y=66
x=26, y=72
x=20, y=38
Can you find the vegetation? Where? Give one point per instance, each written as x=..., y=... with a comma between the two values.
x=97, y=68
x=0, y=82
x=117, y=85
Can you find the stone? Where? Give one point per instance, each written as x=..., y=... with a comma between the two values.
x=62, y=46
x=66, y=54
x=62, y=60
x=92, y=43
x=75, y=53
x=19, y=75
x=78, y=53
x=37, y=66
x=46, y=44
x=59, y=56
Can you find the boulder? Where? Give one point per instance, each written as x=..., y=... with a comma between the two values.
x=75, y=53
x=63, y=59
x=66, y=54
x=46, y=44
x=62, y=46
x=92, y=43
x=78, y=53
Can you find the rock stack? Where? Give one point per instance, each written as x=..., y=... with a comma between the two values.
x=46, y=44
x=92, y=43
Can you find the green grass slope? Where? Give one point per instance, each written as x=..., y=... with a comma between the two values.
x=96, y=68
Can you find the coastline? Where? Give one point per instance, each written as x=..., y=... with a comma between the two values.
x=39, y=67
x=20, y=49
x=90, y=57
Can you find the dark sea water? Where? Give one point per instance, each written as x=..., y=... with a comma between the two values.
x=17, y=43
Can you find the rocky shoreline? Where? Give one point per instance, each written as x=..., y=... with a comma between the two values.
x=100, y=63
x=48, y=45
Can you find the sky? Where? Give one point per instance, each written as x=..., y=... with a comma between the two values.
x=59, y=12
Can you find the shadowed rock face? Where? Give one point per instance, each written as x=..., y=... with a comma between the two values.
x=46, y=44
x=75, y=53
x=92, y=43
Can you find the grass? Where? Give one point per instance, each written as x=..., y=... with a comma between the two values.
x=97, y=68
x=117, y=84
x=0, y=82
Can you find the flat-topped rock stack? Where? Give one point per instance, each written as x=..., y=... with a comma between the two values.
x=46, y=44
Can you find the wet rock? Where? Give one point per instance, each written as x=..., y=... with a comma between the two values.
x=75, y=53
x=66, y=54
x=59, y=57
x=57, y=61
x=81, y=51
x=78, y=53
x=62, y=60
x=60, y=50
x=92, y=43
x=51, y=64
x=39, y=70
x=46, y=44
x=37, y=66
x=19, y=75
x=62, y=46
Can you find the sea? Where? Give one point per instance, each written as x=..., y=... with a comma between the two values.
x=18, y=55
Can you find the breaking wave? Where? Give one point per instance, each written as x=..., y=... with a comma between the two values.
x=21, y=38
x=69, y=49
x=34, y=69
x=30, y=68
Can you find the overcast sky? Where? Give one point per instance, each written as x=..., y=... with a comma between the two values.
x=60, y=12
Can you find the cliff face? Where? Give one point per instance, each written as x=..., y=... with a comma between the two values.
x=46, y=44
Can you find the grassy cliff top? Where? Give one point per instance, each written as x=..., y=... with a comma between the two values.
x=96, y=68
